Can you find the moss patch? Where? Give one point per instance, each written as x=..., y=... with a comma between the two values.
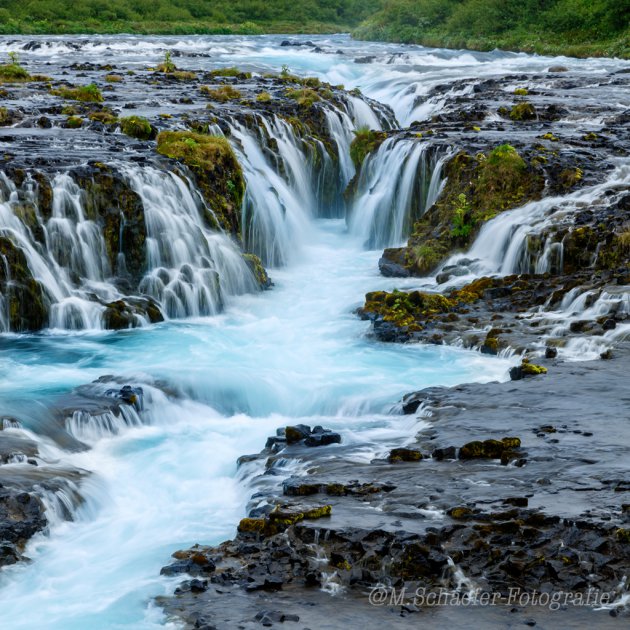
x=365, y=142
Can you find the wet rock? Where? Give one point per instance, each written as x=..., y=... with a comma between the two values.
x=404, y=455
x=488, y=449
x=324, y=438
x=129, y=395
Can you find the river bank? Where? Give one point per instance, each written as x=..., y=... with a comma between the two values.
x=446, y=523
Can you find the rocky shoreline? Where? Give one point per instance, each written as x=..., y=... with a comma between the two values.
x=438, y=513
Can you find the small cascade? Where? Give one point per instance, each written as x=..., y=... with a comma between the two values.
x=190, y=268
x=90, y=428
x=511, y=242
x=60, y=503
x=397, y=184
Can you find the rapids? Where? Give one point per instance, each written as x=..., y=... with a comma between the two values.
x=218, y=382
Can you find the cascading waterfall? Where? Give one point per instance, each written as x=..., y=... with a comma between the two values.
x=397, y=184
x=191, y=268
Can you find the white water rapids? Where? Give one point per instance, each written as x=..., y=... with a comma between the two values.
x=294, y=354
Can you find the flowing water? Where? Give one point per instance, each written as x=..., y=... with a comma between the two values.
x=230, y=365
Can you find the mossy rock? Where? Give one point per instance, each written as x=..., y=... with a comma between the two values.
x=406, y=309
x=523, y=111
x=477, y=189
x=404, y=455
x=488, y=449
x=25, y=305
x=257, y=268
x=217, y=172
x=136, y=127
x=222, y=94
x=85, y=93
x=110, y=202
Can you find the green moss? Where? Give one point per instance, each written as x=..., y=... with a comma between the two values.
x=231, y=72
x=74, y=122
x=405, y=455
x=365, y=142
x=570, y=177
x=477, y=188
x=523, y=111
x=136, y=127
x=263, y=97
x=222, y=94
x=5, y=117
x=113, y=78
x=460, y=513
x=488, y=449
x=521, y=92
x=623, y=535
x=406, y=309
x=183, y=75
x=305, y=97
x=318, y=512
x=86, y=93
x=549, y=136
x=251, y=525
x=257, y=268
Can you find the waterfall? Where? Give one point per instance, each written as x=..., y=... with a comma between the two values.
x=397, y=184
x=190, y=268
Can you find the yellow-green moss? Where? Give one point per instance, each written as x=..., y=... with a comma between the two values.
x=532, y=369
x=523, y=111
x=104, y=116
x=217, y=170
x=231, y=72
x=305, y=97
x=263, y=97
x=113, y=78
x=13, y=73
x=74, y=122
x=521, y=92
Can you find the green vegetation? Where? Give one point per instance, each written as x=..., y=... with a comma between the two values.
x=136, y=127
x=365, y=141
x=85, y=93
x=223, y=94
x=13, y=72
x=74, y=122
x=243, y=17
x=305, y=97
x=573, y=27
